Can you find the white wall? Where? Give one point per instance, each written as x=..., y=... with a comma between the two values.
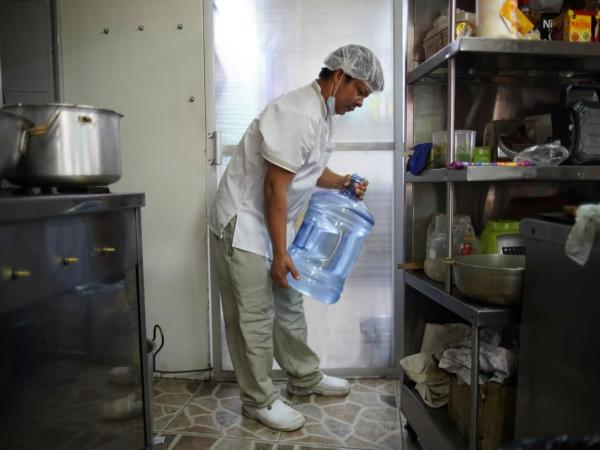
x=149, y=76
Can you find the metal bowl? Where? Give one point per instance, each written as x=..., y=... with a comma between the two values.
x=493, y=279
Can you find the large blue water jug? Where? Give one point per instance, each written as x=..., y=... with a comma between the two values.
x=329, y=241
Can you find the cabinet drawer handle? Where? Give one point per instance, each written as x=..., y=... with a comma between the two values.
x=108, y=250
x=69, y=260
x=20, y=273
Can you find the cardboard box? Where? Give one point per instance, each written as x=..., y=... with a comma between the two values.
x=496, y=412
x=573, y=26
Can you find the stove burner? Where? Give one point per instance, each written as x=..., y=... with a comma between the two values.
x=15, y=191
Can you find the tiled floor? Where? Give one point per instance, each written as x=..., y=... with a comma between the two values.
x=202, y=415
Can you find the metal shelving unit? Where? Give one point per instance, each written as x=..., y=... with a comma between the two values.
x=444, y=436
x=482, y=63
x=476, y=314
x=433, y=426
x=478, y=56
x=498, y=173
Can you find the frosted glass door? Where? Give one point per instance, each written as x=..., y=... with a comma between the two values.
x=265, y=48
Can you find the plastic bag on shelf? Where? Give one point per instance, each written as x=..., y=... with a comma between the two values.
x=464, y=242
x=437, y=37
x=544, y=154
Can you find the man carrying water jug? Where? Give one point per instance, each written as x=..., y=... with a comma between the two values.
x=280, y=159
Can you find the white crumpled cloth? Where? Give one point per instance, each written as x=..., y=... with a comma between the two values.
x=451, y=345
x=496, y=363
x=581, y=239
x=432, y=383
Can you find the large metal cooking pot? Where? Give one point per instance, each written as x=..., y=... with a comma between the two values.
x=494, y=279
x=13, y=140
x=71, y=145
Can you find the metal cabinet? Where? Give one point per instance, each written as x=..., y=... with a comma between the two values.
x=72, y=328
x=464, y=86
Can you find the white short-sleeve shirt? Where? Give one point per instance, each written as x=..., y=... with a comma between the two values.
x=292, y=133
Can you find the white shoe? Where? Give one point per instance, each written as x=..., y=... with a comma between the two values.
x=278, y=416
x=125, y=407
x=122, y=375
x=328, y=386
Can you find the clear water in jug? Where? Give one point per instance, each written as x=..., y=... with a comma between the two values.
x=329, y=242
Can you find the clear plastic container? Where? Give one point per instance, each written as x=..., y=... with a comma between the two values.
x=329, y=242
x=464, y=242
x=489, y=21
x=439, y=151
x=464, y=144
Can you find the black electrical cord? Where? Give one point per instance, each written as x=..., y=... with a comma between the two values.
x=162, y=344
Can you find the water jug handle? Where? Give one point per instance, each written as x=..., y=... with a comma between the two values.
x=336, y=246
x=349, y=190
x=303, y=234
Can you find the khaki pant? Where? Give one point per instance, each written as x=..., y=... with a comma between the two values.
x=261, y=321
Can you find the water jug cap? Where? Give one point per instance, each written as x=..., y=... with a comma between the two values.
x=349, y=190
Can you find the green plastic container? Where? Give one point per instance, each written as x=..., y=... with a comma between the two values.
x=482, y=154
x=493, y=229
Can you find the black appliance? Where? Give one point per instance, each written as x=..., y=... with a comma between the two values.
x=559, y=366
x=577, y=124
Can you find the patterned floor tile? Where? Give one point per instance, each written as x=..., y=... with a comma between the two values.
x=216, y=443
x=367, y=418
x=311, y=447
x=169, y=398
x=168, y=439
x=215, y=410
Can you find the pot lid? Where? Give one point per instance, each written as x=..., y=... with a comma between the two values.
x=62, y=106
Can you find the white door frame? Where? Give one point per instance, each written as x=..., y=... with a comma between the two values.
x=211, y=139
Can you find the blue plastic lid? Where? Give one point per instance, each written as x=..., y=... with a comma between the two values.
x=349, y=190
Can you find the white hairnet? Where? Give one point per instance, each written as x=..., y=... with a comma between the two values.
x=359, y=62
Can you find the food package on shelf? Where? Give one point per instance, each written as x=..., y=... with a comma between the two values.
x=518, y=24
x=504, y=19
x=437, y=37
x=573, y=26
x=546, y=25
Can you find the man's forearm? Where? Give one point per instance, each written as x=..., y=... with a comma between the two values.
x=276, y=218
x=330, y=180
